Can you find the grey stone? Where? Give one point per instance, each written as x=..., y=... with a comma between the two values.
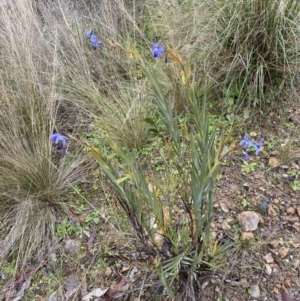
x=255, y=291
x=72, y=246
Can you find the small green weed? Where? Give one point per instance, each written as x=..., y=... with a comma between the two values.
x=249, y=167
x=245, y=203
x=66, y=227
x=295, y=185
x=93, y=217
x=293, y=173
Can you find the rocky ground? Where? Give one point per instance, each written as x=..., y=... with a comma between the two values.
x=257, y=211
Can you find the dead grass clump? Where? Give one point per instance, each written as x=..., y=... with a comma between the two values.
x=254, y=53
x=32, y=187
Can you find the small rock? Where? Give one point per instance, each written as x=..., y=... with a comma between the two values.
x=159, y=238
x=268, y=269
x=125, y=268
x=108, y=271
x=247, y=235
x=296, y=226
x=263, y=206
x=292, y=219
x=271, y=211
x=53, y=258
x=72, y=246
x=290, y=210
x=53, y=297
x=249, y=220
x=255, y=291
x=268, y=258
x=296, y=263
x=283, y=252
x=213, y=235
x=72, y=283
x=224, y=207
x=298, y=210
x=243, y=282
x=225, y=226
x=274, y=162
x=275, y=243
x=296, y=245
x=288, y=283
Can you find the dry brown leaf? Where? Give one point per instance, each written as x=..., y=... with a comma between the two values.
x=98, y=292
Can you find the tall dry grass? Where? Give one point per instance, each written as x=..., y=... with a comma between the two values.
x=33, y=185
x=254, y=54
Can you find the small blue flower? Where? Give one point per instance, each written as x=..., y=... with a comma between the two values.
x=95, y=42
x=60, y=140
x=246, y=142
x=157, y=50
x=56, y=138
x=258, y=147
x=247, y=158
x=63, y=151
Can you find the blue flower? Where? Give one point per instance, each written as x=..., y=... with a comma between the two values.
x=95, y=42
x=56, y=138
x=63, y=151
x=258, y=147
x=60, y=140
x=246, y=142
x=157, y=50
x=247, y=157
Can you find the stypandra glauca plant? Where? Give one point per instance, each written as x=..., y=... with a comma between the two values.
x=172, y=216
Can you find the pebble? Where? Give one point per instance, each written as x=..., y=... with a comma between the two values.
x=225, y=226
x=224, y=207
x=268, y=258
x=273, y=162
x=72, y=283
x=255, y=291
x=108, y=271
x=53, y=297
x=296, y=245
x=247, y=235
x=298, y=210
x=296, y=263
x=296, y=226
x=249, y=220
x=275, y=243
x=263, y=206
x=271, y=211
x=243, y=282
x=268, y=269
x=290, y=210
x=72, y=246
x=292, y=219
x=288, y=283
x=283, y=252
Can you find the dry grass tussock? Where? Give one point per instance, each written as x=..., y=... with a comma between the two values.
x=32, y=183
